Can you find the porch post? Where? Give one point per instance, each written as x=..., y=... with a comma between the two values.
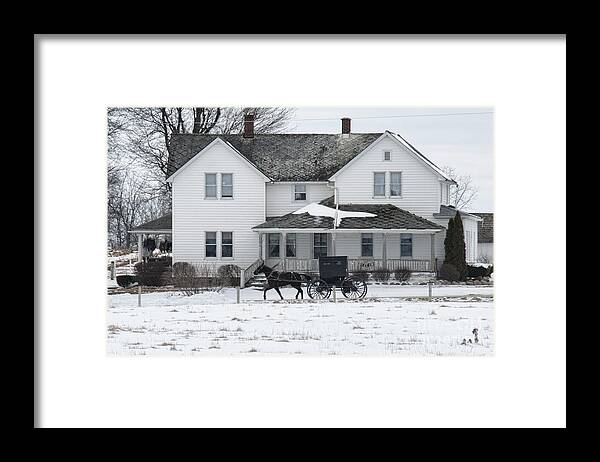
x=384, y=250
x=432, y=253
x=283, y=249
x=140, y=251
x=260, y=246
x=333, y=250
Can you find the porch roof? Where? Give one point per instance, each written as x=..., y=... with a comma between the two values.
x=388, y=217
x=161, y=225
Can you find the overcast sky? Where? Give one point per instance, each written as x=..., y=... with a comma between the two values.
x=464, y=142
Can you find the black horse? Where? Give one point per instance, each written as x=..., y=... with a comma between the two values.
x=276, y=279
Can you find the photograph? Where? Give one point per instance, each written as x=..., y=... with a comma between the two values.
x=300, y=231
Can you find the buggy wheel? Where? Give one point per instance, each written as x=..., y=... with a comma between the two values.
x=318, y=289
x=354, y=288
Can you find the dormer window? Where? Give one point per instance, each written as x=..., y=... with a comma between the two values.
x=299, y=192
x=387, y=155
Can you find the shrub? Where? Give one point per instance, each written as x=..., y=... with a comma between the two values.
x=192, y=279
x=125, y=280
x=448, y=272
x=454, y=246
x=229, y=275
x=402, y=274
x=381, y=275
x=153, y=272
x=184, y=277
x=363, y=275
x=479, y=271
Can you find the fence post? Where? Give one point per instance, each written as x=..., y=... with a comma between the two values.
x=112, y=270
x=429, y=288
x=237, y=295
x=139, y=295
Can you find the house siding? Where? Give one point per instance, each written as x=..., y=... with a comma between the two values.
x=193, y=215
x=280, y=197
x=420, y=188
x=486, y=250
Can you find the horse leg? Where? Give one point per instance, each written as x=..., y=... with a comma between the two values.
x=265, y=293
x=277, y=289
x=298, y=287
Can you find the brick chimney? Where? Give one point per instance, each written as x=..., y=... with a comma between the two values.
x=249, y=126
x=345, y=126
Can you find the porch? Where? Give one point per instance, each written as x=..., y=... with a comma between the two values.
x=372, y=236
x=298, y=250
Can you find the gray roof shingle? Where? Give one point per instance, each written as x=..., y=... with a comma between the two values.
x=485, y=228
x=281, y=157
x=388, y=217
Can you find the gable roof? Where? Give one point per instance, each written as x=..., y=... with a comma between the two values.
x=215, y=140
x=485, y=228
x=281, y=157
x=387, y=216
x=410, y=149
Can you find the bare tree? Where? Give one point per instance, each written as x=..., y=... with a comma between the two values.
x=465, y=192
x=138, y=155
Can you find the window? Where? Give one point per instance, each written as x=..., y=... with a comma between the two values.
x=379, y=184
x=299, y=192
x=395, y=184
x=366, y=248
x=226, y=185
x=226, y=244
x=210, y=185
x=273, y=245
x=406, y=245
x=387, y=155
x=319, y=245
x=211, y=244
x=290, y=245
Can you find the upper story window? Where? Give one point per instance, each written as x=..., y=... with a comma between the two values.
x=379, y=184
x=210, y=181
x=227, y=185
x=387, y=155
x=395, y=184
x=299, y=192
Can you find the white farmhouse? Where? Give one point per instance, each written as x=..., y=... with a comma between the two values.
x=234, y=198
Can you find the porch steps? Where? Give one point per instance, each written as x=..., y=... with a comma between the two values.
x=257, y=281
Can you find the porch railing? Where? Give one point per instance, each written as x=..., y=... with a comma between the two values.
x=311, y=265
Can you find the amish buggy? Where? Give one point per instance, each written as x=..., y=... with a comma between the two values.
x=333, y=274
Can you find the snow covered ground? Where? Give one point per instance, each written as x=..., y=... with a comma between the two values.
x=169, y=323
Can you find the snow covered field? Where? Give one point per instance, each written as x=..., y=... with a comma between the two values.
x=169, y=323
